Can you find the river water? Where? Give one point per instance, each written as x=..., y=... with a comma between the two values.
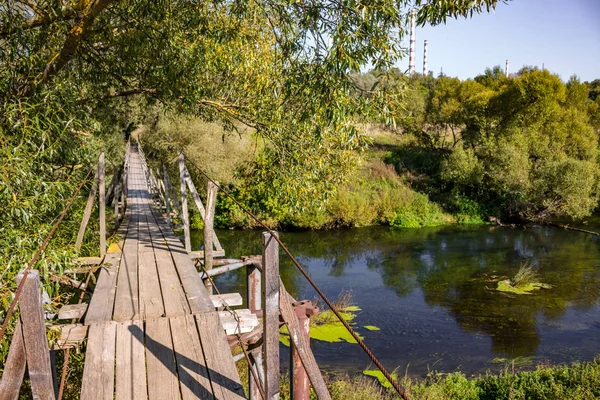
x=430, y=291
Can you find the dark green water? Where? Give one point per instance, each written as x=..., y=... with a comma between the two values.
x=427, y=290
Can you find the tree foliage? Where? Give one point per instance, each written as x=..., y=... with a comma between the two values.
x=519, y=147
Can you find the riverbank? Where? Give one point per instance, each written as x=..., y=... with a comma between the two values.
x=374, y=193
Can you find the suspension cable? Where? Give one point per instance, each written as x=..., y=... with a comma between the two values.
x=360, y=342
x=36, y=256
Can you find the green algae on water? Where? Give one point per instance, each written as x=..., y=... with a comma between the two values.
x=327, y=328
x=527, y=288
x=372, y=327
x=375, y=373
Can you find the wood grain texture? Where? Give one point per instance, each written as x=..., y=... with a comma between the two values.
x=131, y=361
x=191, y=365
x=34, y=336
x=270, y=265
x=99, y=369
x=163, y=382
x=185, y=216
x=102, y=203
x=14, y=369
x=151, y=302
x=221, y=368
x=102, y=302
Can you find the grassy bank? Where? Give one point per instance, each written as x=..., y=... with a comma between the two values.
x=375, y=194
x=576, y=381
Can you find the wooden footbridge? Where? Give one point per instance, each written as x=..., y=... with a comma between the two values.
x=152, y=328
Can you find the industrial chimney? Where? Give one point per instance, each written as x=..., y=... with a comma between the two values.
x=506, y=68
x=425, y=58
x=413, y=28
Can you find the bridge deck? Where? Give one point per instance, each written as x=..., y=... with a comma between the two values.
x=152, y=324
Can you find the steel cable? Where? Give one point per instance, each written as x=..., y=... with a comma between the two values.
x=360, y=342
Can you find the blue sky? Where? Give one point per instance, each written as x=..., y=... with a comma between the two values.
x=562, y=34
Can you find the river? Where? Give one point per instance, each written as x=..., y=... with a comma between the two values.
x=431, y=292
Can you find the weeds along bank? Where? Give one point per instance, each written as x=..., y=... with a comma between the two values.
x=373, y=194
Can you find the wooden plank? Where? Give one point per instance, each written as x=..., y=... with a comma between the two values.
x=88, y=260
x=34, y=336
x=151, y=302
x=189, y=356
x=270, y=265
x=221, y=368
x=254, y=298
x=87, y=213
x=226, y=299
x=70, y=335
x=209, y=232
x=163, y=383
x=174, y=298
x=126, y=299
x=199, y=254
x=302, y=345
x=71, y=311
x=192, y=284
x=185, y=216
x=99, y=369
x=102, y=204
x=244, y=321
x=130, y=361
x=103, y=299
x=14, y=368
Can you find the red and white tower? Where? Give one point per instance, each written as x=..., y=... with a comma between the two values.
x=413, y=28
x=425, y=58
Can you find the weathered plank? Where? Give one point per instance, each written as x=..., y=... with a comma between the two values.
x=166, y=190
x=151, y=302
x=191, y=364
x=302, y=345
x=226, y=299
x=102, y=302
x=199, y=254
x=70, y=335
x=99, y=369
x=34, y=336
x=242, y=322
x=192, y=284
x=14, y=369
x=163, y=383
x=126, y=298
x=270, y=264
x=173, y=295
x=221, y=369
x=71, y=311
x=131, y=362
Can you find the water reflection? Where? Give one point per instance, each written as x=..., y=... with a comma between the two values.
x=430, y=291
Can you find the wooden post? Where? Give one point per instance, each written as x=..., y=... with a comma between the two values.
x=87, y=213
x=14, y=369
x=34, y=337
x=270, y=265
x=211, y=199
x=254, y=304
x=185, y=219
x=200, y=207
x=102, y=205
x=166, y=185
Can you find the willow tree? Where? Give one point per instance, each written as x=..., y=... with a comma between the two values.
x=68, y=69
